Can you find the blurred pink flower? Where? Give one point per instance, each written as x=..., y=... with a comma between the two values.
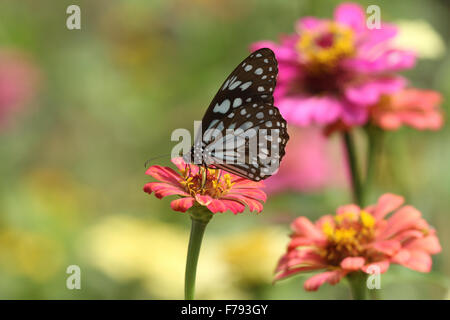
x=411, y=107
x=219, y=192
x=19, y=79
x=310, y=163
x=359, y=239
x=332, y=70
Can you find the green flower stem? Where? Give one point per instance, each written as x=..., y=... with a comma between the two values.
x=357, y=281
x=375, y=140
x=354, y=170
x=374, y=295
x=200, y=216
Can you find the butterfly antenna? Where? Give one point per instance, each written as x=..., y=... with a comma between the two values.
x=204, y=176
x=187, y=170
x=154, y=158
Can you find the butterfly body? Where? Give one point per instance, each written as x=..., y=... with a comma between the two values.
x=242, y=131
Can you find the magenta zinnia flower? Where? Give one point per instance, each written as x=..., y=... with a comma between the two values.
x=332, y=70
x=310, y=164
x=356, y=239
x=215, y=189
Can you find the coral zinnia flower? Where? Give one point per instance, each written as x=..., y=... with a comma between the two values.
x=411, y=107
x=358, y=239
x=332, y=70
x=217, y=190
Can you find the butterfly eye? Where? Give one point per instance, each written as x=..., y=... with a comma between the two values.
x=242, y=131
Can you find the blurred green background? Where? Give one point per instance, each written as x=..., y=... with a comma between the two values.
x=99, y=101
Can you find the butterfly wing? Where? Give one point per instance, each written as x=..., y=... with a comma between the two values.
x=252, y=145
x=253, y=80
x=244, y=105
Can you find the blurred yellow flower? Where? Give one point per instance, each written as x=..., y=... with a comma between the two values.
x=30, y=254
x=127, y=248
x=253, y=255
x=419, y=36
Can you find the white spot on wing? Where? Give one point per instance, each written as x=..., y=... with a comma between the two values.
x=245, y=85
x=212, y=123
x=246, y=125
x=225, y=85
x=237, y=102
x=234, y=85
x=223, y=107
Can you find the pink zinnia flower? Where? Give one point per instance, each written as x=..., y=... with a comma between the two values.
x=332, y=70
x=217, y=190
x=356, y=239
x=18, y=82
x=411, y=107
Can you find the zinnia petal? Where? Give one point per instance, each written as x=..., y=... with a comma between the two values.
x=217, y=206
x=353, y=263
x=402, y=219
x=252, y=204
x=257, y=194
x=352, y=15
x=291, y=272
x=164, y=174
x=234, y=206
x=381, y=266
x=204, y=200
x=387, y=203
x=182, y=204
x=429, y=244
x=305, y=228
x=389, y=247
x=332, y=277
x=162, y=189
x=415, y=259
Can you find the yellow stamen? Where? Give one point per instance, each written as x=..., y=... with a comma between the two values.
x=324, y=48
x=207, y=181
x=367, y=219
x=348, y=235
x=327, y=229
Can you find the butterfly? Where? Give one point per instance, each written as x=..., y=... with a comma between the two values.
x=242, y=132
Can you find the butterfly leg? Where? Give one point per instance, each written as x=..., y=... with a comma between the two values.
x=219, y=175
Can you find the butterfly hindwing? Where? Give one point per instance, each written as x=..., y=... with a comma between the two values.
x=248, y=141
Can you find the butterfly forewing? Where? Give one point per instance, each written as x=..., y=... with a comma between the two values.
x=242, y=132
x=253, y=80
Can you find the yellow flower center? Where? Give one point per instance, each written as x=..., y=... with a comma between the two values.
x=206, y=182
x=322, y=49
x=348, y=235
